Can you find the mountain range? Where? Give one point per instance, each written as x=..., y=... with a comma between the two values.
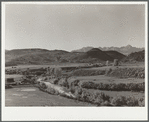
x=85, y=55
x=126, y=50
x=136, y=56
x=43, y=56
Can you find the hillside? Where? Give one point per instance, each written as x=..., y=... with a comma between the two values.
x=137, y=56
x=115, y=54
x=42, y=56
x=32, y=56
x=6, y=51
x=84, y=49
x=91, y=56
x=97, y=53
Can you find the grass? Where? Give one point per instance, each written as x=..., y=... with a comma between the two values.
x=13, y=76
x=18, y=97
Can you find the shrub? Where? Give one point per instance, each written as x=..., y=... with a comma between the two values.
x=119, y=101
x=88, y=85
x=85, y=96
x=95, y=98
x=106, y=103
x=102, y=96
x=124, y=101
x=75, y=83
x=98, y=101
x=131, y=101
x=108, y=71
x=72, y=89
x=57, y=72
x=63, y=82
x=43, y=86
x=141, y=102
x=54, y=81
x=78, y=93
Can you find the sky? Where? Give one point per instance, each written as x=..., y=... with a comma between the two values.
x=70, y=27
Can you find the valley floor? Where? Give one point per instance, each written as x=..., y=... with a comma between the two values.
x=32, y=96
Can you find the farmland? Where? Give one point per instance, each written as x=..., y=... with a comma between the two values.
x=78, y=85
x=32, y=96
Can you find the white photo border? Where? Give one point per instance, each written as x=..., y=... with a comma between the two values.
x=73, y=113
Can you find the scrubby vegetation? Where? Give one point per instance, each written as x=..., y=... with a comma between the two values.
x=124, y=101
x=97, y=98
x=114, y=86
x=88, y=72
x=135, y=56
x=115, y=72
x=126, y=72
x=101, y=99
x=74, y=89
x=79, y=92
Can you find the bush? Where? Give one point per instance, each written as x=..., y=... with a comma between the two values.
x=54, y=81
x=124, y=101
x=43, y=86
x=75, y=83
x=102, y=96
x=88, y=85
x=85, y=96
x=96, y=98
x=141, y=102
x=63, y=82
x=108, y=71
x=119, y=101
x=131, y=101
x=78, y=93
x=57, y=72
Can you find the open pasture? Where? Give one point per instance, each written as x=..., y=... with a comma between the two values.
x=32, y=96
x=13, y=76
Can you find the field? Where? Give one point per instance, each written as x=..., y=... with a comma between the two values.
x=92, y=86
x=14, y=76
x=44, y=66
x=32, y=96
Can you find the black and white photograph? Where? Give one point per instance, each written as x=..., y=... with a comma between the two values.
x=83, y=58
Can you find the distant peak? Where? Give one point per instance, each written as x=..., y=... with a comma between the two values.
x=128, y=45
x=94, y=49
